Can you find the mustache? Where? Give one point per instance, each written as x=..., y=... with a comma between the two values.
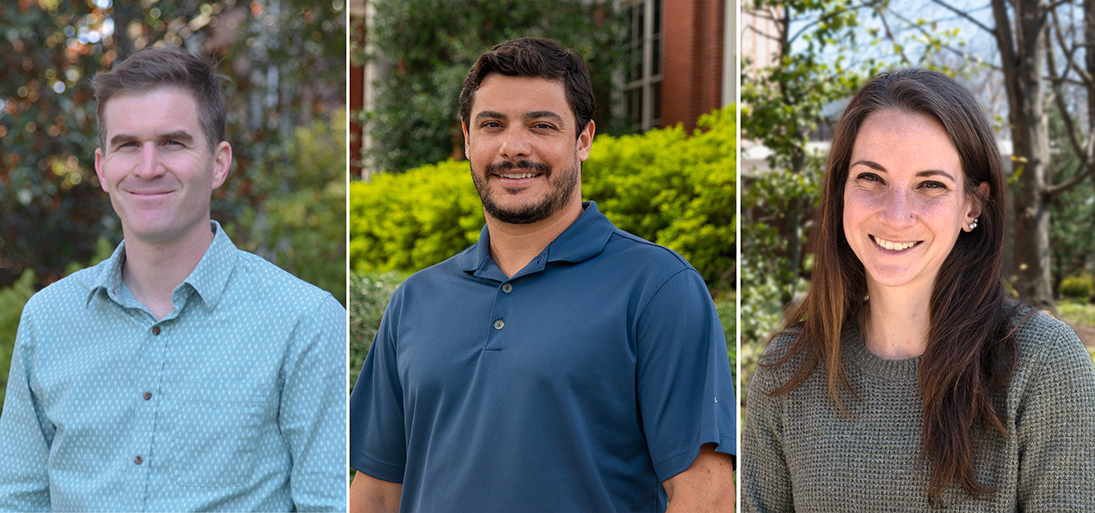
x=507, y=165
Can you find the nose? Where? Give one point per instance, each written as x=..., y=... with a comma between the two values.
x=898, y=211
x=149, y=163
x=515, y=143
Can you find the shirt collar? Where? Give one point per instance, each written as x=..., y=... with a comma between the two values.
x=582, y=240
x=208, y=279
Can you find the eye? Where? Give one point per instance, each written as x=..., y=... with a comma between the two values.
x=543, y=126
x=869, y=177
x=932, y=184
x=490, y=125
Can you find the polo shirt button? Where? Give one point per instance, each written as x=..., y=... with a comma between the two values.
x=498, y=324
x=138, y=460
x=147, y=396
x=507, y=288
x=155, y=330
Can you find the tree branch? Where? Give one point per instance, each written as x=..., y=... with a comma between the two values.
x=965, y=15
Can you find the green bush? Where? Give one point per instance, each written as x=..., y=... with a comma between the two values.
x=1077, y=287
x=413, y=220
x=673, y=189
x=369, y=295
x=12, y=300
x=301, y=223
x=664, y=186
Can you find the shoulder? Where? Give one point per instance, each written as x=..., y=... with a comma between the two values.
x=71, y=291
x=638, y=251
x=770, y=372
x=266, y=280
x=1047, y=342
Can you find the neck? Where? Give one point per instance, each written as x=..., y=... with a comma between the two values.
x=897, y=322
x=153, y=271
x=513, y=246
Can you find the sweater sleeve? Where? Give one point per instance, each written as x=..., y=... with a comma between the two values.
x=1055, y=422
x=765, y=479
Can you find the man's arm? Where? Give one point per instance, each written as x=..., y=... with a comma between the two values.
x=371, y=495
x=24, y=439
x=706, y=485
x=313, y=410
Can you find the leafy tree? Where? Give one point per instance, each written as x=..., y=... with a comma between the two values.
x=431, y=44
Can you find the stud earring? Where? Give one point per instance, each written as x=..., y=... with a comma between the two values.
x=973, y=224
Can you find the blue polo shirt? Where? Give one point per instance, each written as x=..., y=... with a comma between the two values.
x=579, y=384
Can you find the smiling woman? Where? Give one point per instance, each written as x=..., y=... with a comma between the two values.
x=906, y=379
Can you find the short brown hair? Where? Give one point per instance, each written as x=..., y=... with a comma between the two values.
x=540, y=58
x=156, y=68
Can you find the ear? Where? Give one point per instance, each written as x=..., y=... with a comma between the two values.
x=99, y=169
x=976, y=201
x=585, y=140
x=222, y=161
x=467, y=146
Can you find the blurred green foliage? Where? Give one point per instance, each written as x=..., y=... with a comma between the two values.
x=674, y=189
x=12, y=300
x=431, y=44
x=301, y=222
x=665, y=186
x=415, y=219
x=369, y=296
x=1077, y=287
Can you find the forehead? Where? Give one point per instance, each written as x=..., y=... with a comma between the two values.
x=513, y=95
x=905, y=140
x=152, y=109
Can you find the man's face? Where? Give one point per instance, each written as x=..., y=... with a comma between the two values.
x=520, y=140
x=157, y=166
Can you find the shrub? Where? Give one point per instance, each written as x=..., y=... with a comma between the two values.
x=413, y=220
x=369, y=295
x=301, y=223
x=664, y=186
x=1077, y=287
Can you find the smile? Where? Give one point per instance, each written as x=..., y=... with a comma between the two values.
x=518, y=176
x=891, y=245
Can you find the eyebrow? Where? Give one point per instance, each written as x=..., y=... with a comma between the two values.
x=925, y=173
x=536, y=114
x=177, y=135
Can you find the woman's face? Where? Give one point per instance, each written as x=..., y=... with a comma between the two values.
x=904, y=202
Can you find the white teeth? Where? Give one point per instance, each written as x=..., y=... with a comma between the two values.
x=518, y=176
x=890, y=245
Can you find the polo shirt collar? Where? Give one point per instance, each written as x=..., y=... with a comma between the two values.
x=582, y=240
x=208, y=279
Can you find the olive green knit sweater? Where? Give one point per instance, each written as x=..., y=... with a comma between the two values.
x=799, y=453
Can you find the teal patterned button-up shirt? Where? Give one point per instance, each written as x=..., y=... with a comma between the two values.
x=234, y=401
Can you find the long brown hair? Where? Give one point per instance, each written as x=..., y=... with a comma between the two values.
x=971, y=348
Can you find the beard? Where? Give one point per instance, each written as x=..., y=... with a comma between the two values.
x=561, y=187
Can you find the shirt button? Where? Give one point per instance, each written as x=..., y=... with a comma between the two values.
x=155, y=330
x=138, y=460
x=147, y=396
x=498, y=324
x=507, y=288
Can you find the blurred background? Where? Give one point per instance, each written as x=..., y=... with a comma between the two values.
x=1028, y=64
x=285, y=196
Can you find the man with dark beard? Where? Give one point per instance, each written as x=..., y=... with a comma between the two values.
x=559, y=364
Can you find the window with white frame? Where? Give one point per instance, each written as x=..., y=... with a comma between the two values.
x=643, y=83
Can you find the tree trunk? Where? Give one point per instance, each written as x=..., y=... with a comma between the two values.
x=1022, y=55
